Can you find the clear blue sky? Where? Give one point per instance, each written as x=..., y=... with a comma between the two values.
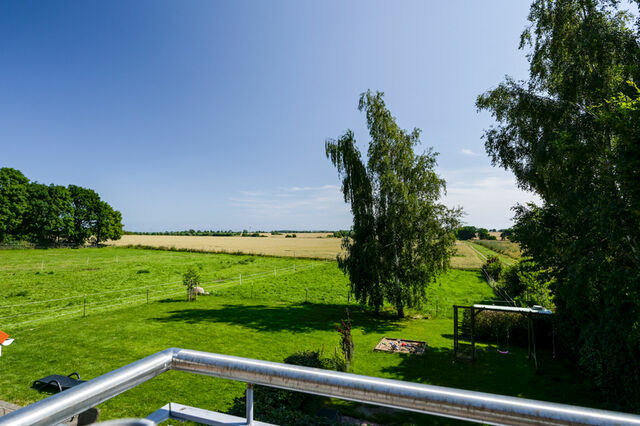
x=213, y=115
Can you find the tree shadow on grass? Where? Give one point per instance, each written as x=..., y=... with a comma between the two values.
x=513, y=374
x=294, y=317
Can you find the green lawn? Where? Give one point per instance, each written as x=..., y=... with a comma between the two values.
x=270, y=321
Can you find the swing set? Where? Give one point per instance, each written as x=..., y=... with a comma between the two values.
x=466, y=332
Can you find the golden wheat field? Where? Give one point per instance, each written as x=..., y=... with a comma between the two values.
x=308, y=245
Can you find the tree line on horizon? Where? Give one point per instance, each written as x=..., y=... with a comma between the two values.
x=53, y=215
x=231, y=233
x=470, y=232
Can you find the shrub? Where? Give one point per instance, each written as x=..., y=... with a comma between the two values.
x=346, y=341
x=483, y=234
x=466, y=233
x=527, y=284
x=491, y=326
x=279, y=406
x=493, y=268
x=191, y=279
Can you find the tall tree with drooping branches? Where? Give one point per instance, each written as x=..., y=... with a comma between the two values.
x=402, y=237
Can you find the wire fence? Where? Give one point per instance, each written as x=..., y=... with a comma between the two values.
x=17, y=315
x=48, y=264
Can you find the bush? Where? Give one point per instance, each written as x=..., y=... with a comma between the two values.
x=191, y=279
x=483, y=234
x=493, y=268
x=341, y=234
x=466, y=232
x=492, y=326
x=527, y=284
x=285, y=407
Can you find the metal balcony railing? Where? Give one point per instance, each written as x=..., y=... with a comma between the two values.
x=437, y=400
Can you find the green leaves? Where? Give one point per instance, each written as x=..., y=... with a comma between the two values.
x=402, y=238
x=570, y=133
x=49, y=215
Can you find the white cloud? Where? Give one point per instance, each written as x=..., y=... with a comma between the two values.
x=468, y=152
x=313, y=206
x=310, y=188
x=485, y=194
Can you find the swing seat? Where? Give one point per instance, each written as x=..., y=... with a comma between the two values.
x=503, y=352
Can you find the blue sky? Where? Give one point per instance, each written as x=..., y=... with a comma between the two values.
x=213, y=115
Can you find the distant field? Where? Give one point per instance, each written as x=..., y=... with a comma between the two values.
x=465, y=257
x=506, y=247
x=307, y=245
x=485, y=252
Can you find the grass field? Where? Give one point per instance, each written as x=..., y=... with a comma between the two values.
x=466, y=257
x=485, y=252
x=265, y=318
x=305, y=245
x=505, y=247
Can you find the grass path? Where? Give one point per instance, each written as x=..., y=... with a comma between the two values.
x=484, y=252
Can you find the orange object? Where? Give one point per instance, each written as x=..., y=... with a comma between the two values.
x=3, y=336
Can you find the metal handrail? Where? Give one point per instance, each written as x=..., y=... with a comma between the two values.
x=438, y=400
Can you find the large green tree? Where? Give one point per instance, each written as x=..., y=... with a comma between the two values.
x=402, y=236
x=86, y=211
x=13, y=203
x=570, y=134
x=108, y=224
x=48, y=219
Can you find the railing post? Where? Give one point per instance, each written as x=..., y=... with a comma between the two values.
x=455, y=331
x=249, y=404
x=473, y=334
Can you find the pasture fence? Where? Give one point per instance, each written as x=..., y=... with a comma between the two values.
x=49, y=262
x=16, y=315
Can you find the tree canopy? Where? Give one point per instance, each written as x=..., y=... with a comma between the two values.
x=466, y=232
x=401, y=236
x=570, y=133
x=53, y=214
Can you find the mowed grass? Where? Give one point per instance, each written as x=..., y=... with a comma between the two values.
x=505, y=247
x=115, y=275
x=465, y=257
x=487, y=252
x=265, y=319
x=309, y=245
